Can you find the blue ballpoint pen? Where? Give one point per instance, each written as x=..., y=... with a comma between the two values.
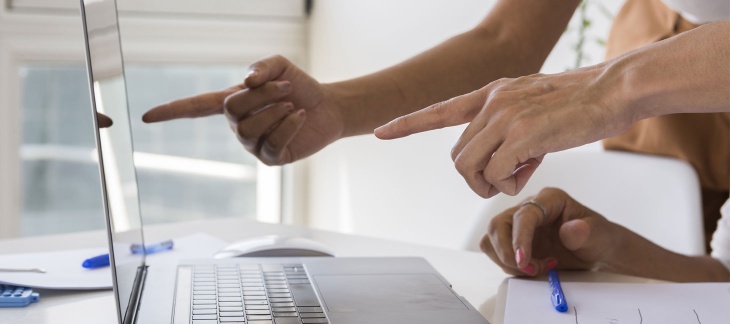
x=151, y=248
x=556, y=292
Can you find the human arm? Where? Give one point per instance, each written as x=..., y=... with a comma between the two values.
x=571, y=236
x=520, y=120
x=514, y=39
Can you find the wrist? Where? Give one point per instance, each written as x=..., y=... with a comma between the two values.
x=344, y=102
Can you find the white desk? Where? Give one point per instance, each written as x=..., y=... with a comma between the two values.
x=472, y=274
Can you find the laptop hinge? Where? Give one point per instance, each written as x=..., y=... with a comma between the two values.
x=136, y=297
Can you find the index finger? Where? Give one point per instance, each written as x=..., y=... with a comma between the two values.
x=201, y=105
x=452, y=112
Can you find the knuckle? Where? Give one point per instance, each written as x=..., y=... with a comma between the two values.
x=461, y=165
x=492, y=228
x=455, y=153
x=228, y=103
x=485, y=245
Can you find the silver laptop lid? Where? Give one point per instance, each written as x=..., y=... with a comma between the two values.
x=114, y=145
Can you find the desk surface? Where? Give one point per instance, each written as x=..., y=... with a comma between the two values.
x=472, y=274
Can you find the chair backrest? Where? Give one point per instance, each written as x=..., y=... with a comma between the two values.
x=656, y=197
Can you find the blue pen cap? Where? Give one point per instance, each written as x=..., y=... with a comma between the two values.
x=96, y=262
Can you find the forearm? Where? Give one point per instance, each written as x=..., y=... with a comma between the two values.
x=513, y=40
x=637, y=256
x=688, y=73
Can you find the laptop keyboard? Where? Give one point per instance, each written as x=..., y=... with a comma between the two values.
x=254, y=294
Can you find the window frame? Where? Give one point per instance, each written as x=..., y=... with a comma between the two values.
x=55, y=37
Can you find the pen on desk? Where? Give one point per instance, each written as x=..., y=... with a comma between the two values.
x=556, y=292
x=96, y=262
x=36, y=270
x=151, y=248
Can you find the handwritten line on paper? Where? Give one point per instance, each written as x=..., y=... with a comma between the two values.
x=698, y=317
x=641, y=317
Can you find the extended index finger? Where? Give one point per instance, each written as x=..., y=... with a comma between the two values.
x=201, y=105
x=447, y=113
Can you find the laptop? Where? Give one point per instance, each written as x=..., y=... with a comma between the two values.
x=282, y=290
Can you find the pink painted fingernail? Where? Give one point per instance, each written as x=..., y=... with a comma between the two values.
x=551, y=264
x=519, y=255
x=529, y=269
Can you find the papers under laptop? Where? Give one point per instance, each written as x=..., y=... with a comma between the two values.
x=243, y=290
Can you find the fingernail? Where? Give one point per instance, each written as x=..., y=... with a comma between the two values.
x=252, y=74
x=519, y=255
x=289, y=107
x=529, y=269
x=300, y=112
x=284, y=86
x=551, y=264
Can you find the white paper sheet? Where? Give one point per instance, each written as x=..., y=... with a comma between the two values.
x=619, y=303
x=64, y=271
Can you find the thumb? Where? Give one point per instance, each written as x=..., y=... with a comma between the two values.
x=447, y=113
x=587, y=238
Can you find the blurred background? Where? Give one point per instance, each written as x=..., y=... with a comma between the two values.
x=195, y=169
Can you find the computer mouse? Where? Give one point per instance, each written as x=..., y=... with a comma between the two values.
x=274, y=246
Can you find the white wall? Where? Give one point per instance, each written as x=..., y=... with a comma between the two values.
x=406, y=189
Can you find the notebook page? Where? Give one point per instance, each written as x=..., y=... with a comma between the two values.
x=619, y=303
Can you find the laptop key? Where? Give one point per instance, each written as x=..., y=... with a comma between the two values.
x=278, y=295
x=231, y=309
x=284, y=309
x=287, y=314
x=203, y=302
x=229, y=299
x=311, y=315
x=314, y=320
x=212, y=306
x=261, y=322
x=205, y=321
x=256, y=302
x=282, y=304
x=239, y=304
x=257, y=307
x=231, y=314
x=287, y=320
x=310, y=309
x=232, y=319
x=204, y=311
x=258, y=312
x=258, y=317
x=205, y=317
x=203, y=297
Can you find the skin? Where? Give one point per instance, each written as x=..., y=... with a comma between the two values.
x=520, y=120
x=103, y=120
x=281, y=114
x=571, y=236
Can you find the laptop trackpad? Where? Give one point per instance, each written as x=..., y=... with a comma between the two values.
x=386, y=293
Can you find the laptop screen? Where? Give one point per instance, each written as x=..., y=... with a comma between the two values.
x=114, y=144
